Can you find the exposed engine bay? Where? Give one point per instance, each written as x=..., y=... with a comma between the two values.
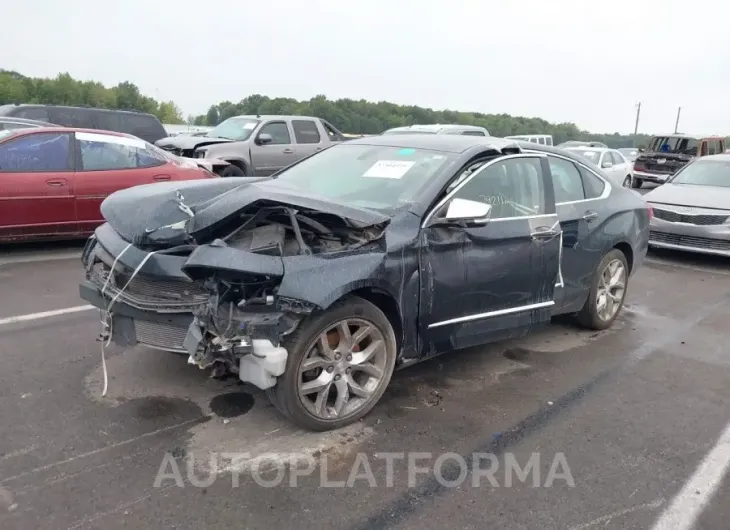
x=244, y=309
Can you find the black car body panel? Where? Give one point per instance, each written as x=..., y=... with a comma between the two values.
x=263, y=256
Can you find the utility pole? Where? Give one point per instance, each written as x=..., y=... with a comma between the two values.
x=676, y=124
x=636, y=126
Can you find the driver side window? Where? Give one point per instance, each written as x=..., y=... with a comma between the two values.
x=279, y=132
x=513, y=187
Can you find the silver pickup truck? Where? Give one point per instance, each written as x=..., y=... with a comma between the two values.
x=256, y=145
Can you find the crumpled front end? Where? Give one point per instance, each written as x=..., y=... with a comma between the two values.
x=221, y=302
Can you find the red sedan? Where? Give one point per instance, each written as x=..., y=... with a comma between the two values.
x=53, y=180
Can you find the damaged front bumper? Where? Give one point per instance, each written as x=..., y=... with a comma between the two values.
x=148, y=300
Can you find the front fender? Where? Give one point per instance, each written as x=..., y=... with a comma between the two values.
x=314, y=279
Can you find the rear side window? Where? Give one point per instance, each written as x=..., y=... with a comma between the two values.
x=33, y=113
x=70, y=117
x=305, y=132
x=333, y=134
x=567, y=180
x=100, y=152
x=473, y=133
x=36, y=152
x=142, y=126
x=592, y=185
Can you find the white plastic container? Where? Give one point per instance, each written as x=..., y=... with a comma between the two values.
x=265, y=364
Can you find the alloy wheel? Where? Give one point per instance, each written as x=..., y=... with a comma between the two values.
x=611, y=290
x=343, y=369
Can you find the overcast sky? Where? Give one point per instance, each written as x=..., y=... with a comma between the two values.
x=588, y=62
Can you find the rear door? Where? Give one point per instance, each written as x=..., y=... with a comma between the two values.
x=579, y=197
x=496, y=279
x=268, y=158
x=37, y=185
x=108, y=163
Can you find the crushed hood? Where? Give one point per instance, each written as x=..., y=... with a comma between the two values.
x=690, y=195
x=142, y=215
x=188, y=142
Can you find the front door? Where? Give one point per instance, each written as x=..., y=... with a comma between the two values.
x=37, y=186
x=486, y=282
x=269, y=157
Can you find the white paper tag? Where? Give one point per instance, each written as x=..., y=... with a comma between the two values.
x=247, y=126
x=389, y=169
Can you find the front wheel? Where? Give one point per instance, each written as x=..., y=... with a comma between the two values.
x=608, y=290
x=233, y=171
x=338, y=367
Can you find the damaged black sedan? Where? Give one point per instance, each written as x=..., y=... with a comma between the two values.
x=317, y=283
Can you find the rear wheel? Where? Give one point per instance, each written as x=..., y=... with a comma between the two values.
x=339, y=365
x=607, y=294
x=628, y=181
x=636, y=183
x=233, y=171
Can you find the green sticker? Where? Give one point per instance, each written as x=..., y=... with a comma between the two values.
x=406, y=152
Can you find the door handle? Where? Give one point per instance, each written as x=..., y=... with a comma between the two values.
x=161, y=177
x=544, y=234
x=288, y=151
x=317, y=148
x=590, y=216
x=56, y=182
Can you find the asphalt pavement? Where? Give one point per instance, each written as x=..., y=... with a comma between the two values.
x=626, y=428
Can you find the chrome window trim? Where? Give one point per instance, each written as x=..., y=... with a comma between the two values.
x=607, y=185
x=450, y=195
x=490, y=314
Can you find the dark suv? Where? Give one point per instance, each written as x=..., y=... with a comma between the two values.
x=142, y=125
x=666, y=154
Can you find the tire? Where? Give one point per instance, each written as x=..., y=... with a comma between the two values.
x=233, y=171
x=589, y=316
x=636, y=183
x=303, y=410
x=628, y=182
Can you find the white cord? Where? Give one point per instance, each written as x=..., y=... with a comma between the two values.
x=105, y=343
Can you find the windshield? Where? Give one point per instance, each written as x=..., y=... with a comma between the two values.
x=705, y=173
x=377, y=177
x=236, y=128
x=674, y=144
x=589, y=154
x=629, y=154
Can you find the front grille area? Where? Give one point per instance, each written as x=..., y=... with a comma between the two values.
x=150, y=292
x=160, y=335
x=690, y=241
x=698, y=219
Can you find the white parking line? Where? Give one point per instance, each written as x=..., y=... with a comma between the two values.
x=687, y=506
x=44, y=314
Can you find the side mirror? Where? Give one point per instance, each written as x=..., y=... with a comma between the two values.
x=264, y=139
x=469, y=212
x=607, y=165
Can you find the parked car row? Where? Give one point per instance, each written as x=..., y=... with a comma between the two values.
x=368, y=256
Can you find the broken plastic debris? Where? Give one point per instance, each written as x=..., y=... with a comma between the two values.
x=550, y=402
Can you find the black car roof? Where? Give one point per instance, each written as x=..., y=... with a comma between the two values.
x=37, y=123
x=438, y=142
x=10, y=106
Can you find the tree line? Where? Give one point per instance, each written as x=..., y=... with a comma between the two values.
x=348, y=115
